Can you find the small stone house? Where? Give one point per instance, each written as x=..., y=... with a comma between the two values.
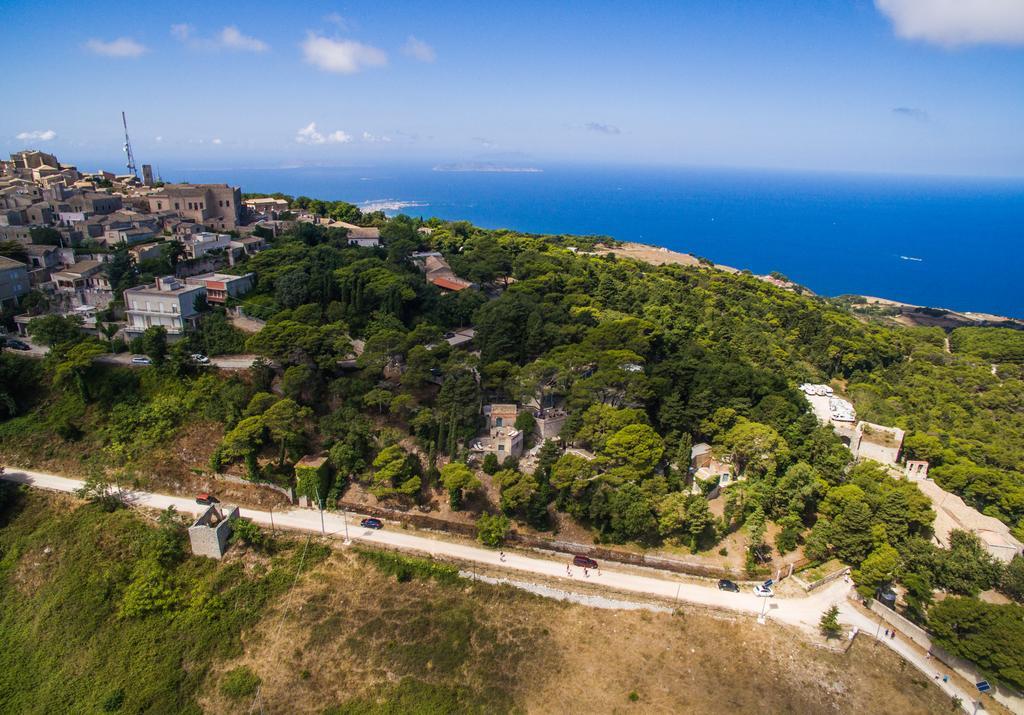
x=210, y=533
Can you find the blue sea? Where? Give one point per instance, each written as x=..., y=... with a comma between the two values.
x=949, y=242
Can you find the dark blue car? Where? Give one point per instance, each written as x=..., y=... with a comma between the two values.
x=372, y=523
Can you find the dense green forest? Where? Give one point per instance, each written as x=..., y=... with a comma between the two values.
x=645, y=360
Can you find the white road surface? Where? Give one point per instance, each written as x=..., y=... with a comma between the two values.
x=224, y=362
x=803, y=612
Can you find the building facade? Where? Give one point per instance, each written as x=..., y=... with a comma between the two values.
x=168, y=302
x=216, y=206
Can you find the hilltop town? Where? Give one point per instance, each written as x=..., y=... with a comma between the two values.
x=639, y=429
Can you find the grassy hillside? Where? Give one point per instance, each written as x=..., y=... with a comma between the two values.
x=367, y=633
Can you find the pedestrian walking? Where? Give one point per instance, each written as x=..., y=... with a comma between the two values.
x=568, y=569
x=886, y=632
x=893, y=635
x=585, y=573
x=502, y=555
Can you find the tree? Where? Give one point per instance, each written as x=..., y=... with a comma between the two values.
x=992, y=636
x=96, y=489
x=45, y=236
x=851, y=532
x=491, y=529
x=394, y=474
x=121, y=270
x=54, y=330
x=877, y=570
x=154, y=343
x=517, y=489
x=459, y=480
x=15, y=250
x=172, y=252
x=637, y=446
x=285, y=419
x=76, y=363
x=243, y=441
x=755, y=447
x=968, y=568
x=490, y=464
x=829, y=623
x=1012, y=583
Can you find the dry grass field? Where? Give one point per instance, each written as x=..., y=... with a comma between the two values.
x=351, y=639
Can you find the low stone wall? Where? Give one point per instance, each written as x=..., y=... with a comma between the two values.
x=810, y=586
x=288, y=492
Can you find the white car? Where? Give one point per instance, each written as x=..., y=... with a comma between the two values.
x=141, y=360
x=763, y=592
x=200, y=358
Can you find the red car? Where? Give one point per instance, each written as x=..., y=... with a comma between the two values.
x=205, y=498
x=584, y=561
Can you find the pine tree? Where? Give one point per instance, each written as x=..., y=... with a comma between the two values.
x=829, y=623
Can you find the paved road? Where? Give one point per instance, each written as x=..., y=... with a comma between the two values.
x=803, y=612
x=224, y=362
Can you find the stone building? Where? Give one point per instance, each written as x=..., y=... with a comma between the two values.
x=210, y=533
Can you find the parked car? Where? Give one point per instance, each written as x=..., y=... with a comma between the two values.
x=372, y=523
x=763, y=591
x=18, y=344
x=205, y=498
x=200, y=358
x=141, y=360
x=727, y=585
x=584, y=561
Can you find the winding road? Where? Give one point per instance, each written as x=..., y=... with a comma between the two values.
x=803, y=612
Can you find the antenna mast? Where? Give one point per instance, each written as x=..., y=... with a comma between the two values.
x=128, y=149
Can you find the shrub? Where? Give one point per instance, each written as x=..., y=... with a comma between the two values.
x=491, y=529
x=490, y=465
x=240, y=682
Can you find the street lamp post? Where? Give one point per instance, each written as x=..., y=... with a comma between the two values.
x=344, y=513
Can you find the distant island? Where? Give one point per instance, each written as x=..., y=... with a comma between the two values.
x=487, y=168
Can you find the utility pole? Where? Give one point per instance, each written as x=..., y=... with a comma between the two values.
x=344, y=515
x=272, y=530
x=323, y=532
x=128, y=149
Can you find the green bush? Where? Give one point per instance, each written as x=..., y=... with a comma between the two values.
x=239, y=683
x=491, y=529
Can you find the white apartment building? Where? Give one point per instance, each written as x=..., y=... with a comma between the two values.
x=199, y=244
x=168, y=302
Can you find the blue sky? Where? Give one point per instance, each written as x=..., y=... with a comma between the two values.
x=903, y=86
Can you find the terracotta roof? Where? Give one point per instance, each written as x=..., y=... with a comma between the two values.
x=448, y=284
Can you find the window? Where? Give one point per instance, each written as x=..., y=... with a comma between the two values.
x=176, y=206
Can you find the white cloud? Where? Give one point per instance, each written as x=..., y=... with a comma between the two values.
x=121, y=47
x=336, y=19
x=601, y=128
x=39, y=135
x=374, y=139
x=159, y=139
x=232, y=38
x=229, y=38
x=957, y=22
x=341, y=56
x=217, y=141
x=182, y=31
x=420, y=50
x=310, y=135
